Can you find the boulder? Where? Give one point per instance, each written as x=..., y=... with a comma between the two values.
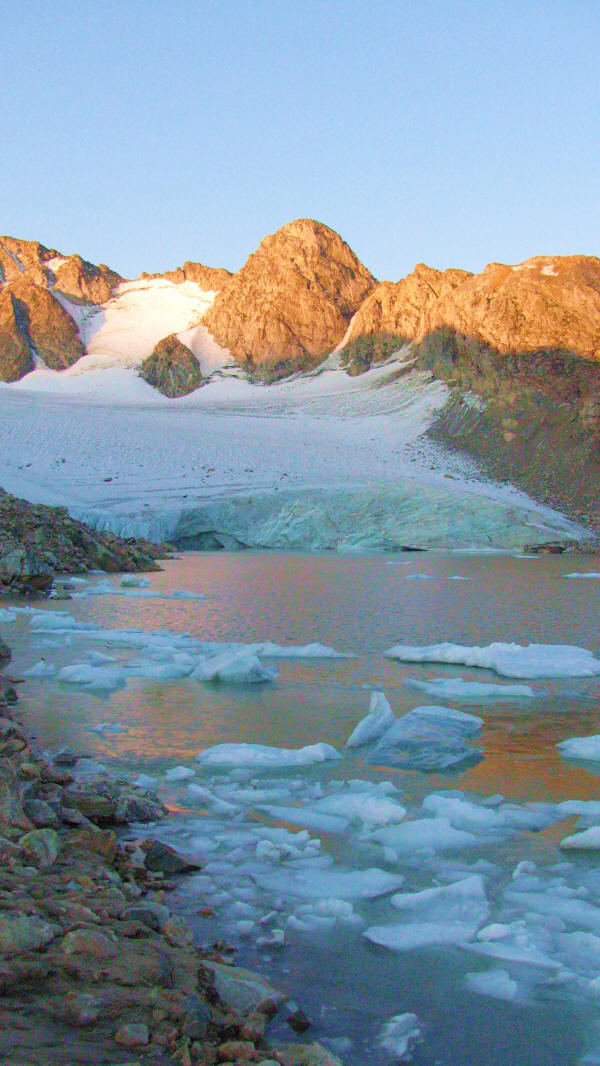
x=160, y=857
x=24, y=570
x=172, y=368
x=241, y=990
x=25, y=933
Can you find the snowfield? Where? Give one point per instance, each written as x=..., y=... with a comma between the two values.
x=324, y=461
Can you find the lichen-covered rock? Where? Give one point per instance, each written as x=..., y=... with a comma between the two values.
x=291, y=302
x=41, y=847
x=172, y=368
x=24, y=933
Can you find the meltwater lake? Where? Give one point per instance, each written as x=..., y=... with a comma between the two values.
x=420, y=876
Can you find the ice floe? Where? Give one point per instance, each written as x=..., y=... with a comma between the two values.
x=399, y=1035
x=378, y=720
x=263, y=757
x=238, y=666
x=450, y=914
x=454, y=688
x=93, y=678
x=508, y=660
x=581, y=748
x=41, y=669
x=496, y=983
x=428, y=739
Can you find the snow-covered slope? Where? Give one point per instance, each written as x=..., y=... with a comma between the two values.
x=321, y=461
x=122, y=332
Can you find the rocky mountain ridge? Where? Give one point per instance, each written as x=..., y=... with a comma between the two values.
x=524, y=340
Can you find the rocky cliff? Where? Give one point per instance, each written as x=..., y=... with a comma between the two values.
x=41, y=325
x=47, y=268
x=291, y=302
x=211, y=279
x=394, y=313
x=172, y=368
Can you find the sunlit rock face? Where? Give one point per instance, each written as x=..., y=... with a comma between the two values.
x=291, y=302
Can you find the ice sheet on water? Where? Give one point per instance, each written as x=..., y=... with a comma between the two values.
x=450, y=914
x=508, y=660
x=496, y=983
x=430, y=739
x=519, y=942
x=311, y=883
x=581, y=748
x=399, y=1035
x=377, y=721
x=135, y=581
x=93, y=678
x=264, y=757
x=454, y=688
x=136, y=590
x=325, y=914
x=235, y=666
x=588, y=573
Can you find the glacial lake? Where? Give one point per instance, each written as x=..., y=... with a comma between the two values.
x=285, y=849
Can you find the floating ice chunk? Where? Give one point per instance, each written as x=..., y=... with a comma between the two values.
x=363, y=807
x=135, y=581
x=41, y=669
x=111, y=728
x=7, y=616
x=454, y=688
x=263, y=757
x=588, y=573
x=180, y=665
x=496, y=983
x=236, y=666
x=419, y=577
x=183, y=594
x=459, y=577
x=509, y=660
x=93, y=678
x=588, y=840
x=312, y=883
x=581, y=748
x=324, y=914
x=309, y=817
x=147, y=781
x=268, y=650
x=179, y=773
x=461, y=813
x=519, y=943
x=378, y=720
x=53, y=621
x=434, y=834
x=428, y=739
x=206, y=797
x=99, y=657
x=399, y=1035
x=447, y=915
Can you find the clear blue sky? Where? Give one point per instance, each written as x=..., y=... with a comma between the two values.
x=142, y=132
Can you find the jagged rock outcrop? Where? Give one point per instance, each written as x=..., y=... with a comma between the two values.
x=545, y=302
x=291, y=302
x=394, y=313
x=15, y=354
x=77, y=277
x=46, y=328
x=24, y=257
x=47, y=268
x=172, y=368
x=211, y=279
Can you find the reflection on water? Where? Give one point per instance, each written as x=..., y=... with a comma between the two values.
x=361, y=605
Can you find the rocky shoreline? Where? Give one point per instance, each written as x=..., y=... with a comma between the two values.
x=94, y=966
x=39, y=543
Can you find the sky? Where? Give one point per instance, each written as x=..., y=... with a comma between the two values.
x=142, y=133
